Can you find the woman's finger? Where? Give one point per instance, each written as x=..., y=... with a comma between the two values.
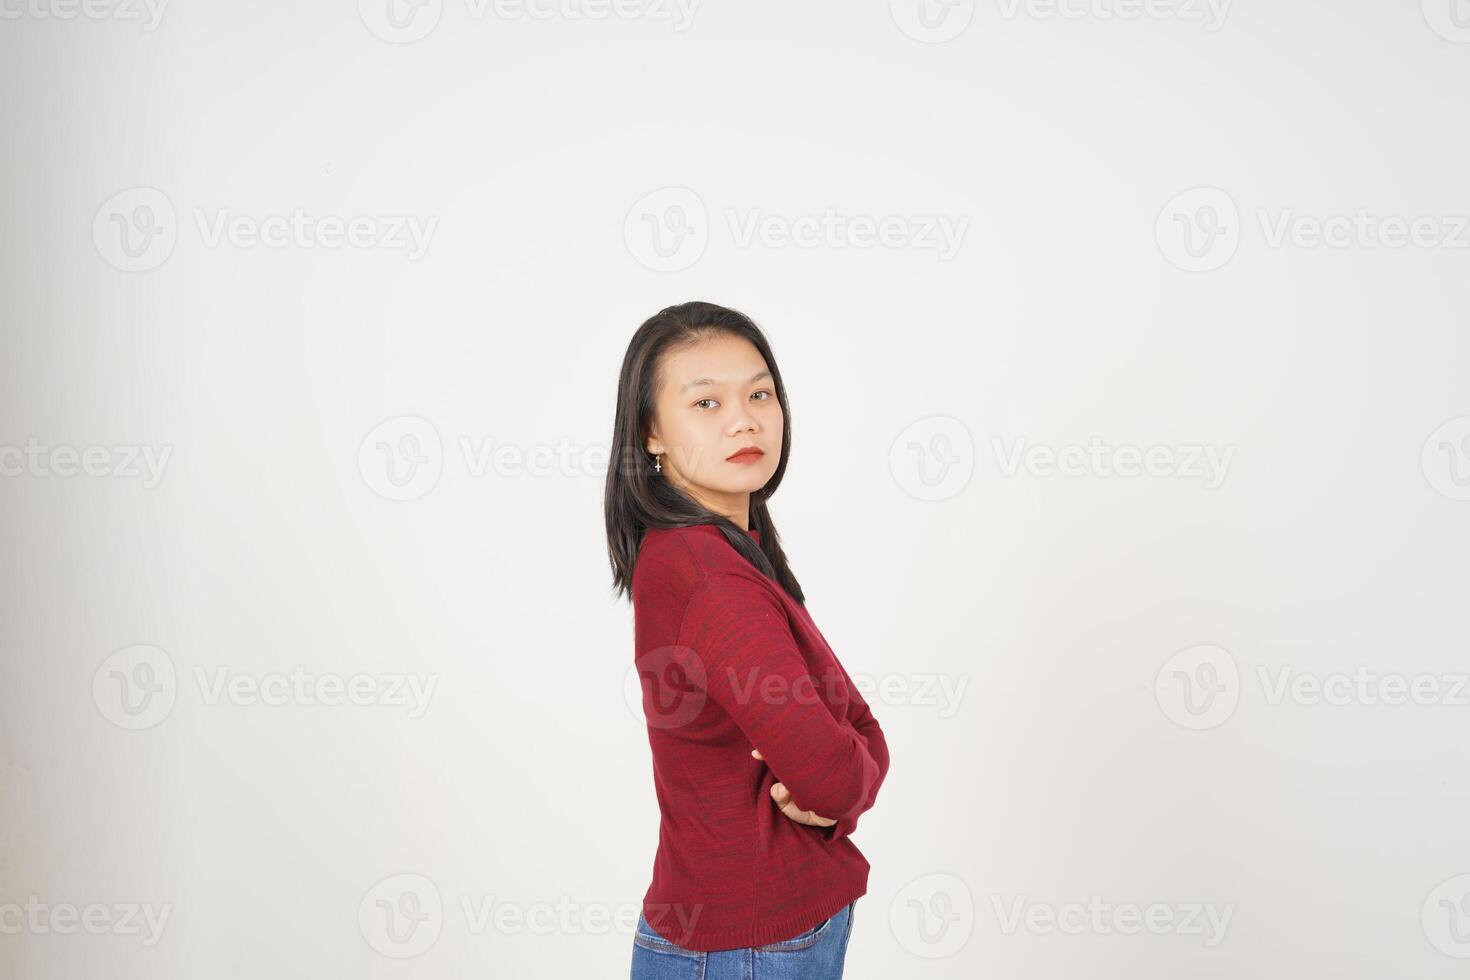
x=794, y=812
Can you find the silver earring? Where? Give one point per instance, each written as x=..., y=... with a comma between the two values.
x=657, y=466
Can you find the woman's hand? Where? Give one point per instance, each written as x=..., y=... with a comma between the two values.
x=783, y=800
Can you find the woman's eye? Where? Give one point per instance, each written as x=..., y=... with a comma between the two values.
x=710, y=401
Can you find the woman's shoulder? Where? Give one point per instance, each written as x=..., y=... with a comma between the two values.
x=680, y=559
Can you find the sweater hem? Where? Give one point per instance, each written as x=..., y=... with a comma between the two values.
x=765, y=933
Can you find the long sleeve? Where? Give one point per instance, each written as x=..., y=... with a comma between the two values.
x=737, y=646
x=729, y=661
x=867, y=727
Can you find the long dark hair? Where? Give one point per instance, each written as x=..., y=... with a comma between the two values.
x=637, y=498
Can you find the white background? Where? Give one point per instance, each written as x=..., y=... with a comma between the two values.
x=1071, y=311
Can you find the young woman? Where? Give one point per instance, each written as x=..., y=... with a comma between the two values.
x=764, y=752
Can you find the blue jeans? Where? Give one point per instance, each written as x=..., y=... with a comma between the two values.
x=816, y=954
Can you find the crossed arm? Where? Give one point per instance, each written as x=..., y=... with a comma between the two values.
x=737, y=642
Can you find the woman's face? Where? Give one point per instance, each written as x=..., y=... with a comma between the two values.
x=716, y=398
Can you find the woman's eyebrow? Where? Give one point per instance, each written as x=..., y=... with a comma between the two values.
x=707, y=381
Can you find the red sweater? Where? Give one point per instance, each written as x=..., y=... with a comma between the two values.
x=729, y=661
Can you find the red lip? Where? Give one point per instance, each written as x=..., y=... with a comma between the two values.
x=747, y=455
